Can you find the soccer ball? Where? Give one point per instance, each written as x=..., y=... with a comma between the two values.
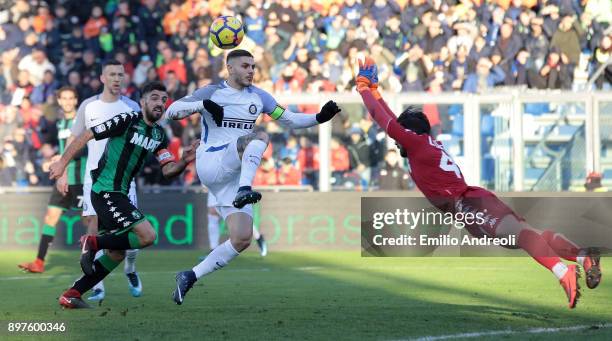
x=226, y=32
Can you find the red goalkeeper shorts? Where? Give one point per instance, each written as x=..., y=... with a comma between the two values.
x=486, y=204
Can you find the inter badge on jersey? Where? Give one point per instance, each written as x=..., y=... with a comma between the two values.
x=252, y=109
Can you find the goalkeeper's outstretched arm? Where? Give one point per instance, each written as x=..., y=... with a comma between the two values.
x=367, y=85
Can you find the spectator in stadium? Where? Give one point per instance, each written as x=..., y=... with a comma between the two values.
x=393, y=177
x=382, y=10
x=485, y=77
x=555, y=74
x=7, y=174
x=9, y=121
x=255, y=24
x=10, y=37
x=149, y=26
x=458, y=70
x=567, y=37
x=479, y=50
x=266, y=173
x=36, y=64
x=67, y=64
x=123, y=34
x=290, y=149
x=517, y=69
x=603, y=54
x=174, y=87
x=23, y=88
x=593, y=31
x=93, y=28
x=413, y=68
x=308, y=162
x=41, y=165
x=339, y=160
x=46, y=89
x=171, y=62
x=141, y=70
x=352, y=11
x=509, y=42
x=74, y=80
x=288, y=173
x=523, y=26
x=173, y=18
x=21, y=152
x=64, y=22
x=291, y=80
x=537, y=44
x=89, y=69
x=600, y=10
x=359, y=154
x=76, y=42
x=550, y=14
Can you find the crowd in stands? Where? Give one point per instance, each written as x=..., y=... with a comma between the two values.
x=299, y=46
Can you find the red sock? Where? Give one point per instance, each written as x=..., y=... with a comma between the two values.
x=533, y=243
x=562, y=246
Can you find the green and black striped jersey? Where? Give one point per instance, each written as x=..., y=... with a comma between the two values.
x=130, y=139
x=76, y=168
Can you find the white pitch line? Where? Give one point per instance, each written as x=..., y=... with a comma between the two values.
x=511, y=332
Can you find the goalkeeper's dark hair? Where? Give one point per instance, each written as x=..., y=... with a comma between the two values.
x=236, y=54
x=152, y=86
x=413, y=118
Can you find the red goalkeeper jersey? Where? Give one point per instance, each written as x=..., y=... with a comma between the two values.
x=432, y=169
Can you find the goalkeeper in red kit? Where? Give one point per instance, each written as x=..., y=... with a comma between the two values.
x=441, y=181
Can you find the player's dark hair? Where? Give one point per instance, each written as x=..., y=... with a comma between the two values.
x=59, y=91
x=110, y=62
x=152, y=86
x=413, y=118
x=238, y=53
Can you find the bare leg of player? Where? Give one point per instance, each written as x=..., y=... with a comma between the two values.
x=530, y=240
x=240, y=227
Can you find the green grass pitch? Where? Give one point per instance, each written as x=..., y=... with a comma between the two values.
x=309, y=296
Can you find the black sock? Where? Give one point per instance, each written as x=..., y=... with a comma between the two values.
x=43, y=246
x=124, y=241
x=244, y=188
x=102, y=267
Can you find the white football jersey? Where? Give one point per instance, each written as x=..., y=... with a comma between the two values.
x=92, y=112
x=241, y=109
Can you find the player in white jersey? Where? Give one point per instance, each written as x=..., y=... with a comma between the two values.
x=93, y=111
x=230, y=152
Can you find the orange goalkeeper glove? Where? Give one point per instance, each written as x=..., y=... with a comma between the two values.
x=367, y=78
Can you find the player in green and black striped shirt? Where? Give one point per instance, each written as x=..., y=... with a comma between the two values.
x=70, y=197
x=131, y=136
